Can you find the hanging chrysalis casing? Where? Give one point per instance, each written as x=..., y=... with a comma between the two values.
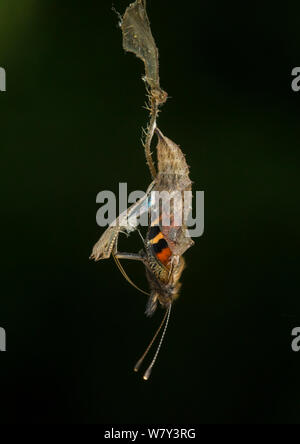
x=173, y=178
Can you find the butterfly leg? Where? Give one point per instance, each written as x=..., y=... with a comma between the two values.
x=131, y=256
x=117, y=256
x=122, y=255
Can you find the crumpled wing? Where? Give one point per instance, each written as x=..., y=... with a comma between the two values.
x=173, y=177
x=127, y=222
x=178, y=239
x=103, y=248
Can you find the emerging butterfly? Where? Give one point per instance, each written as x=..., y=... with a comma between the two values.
x=167, y=237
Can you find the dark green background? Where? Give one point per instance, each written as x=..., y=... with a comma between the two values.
x=71, y=124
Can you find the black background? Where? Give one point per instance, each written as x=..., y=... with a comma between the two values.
x=71, y=124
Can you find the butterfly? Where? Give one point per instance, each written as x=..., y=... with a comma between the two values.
x=164, y=244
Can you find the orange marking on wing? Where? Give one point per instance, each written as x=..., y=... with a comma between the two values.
x=157, y=238
x=164, y=256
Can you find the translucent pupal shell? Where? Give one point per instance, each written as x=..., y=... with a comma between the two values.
x=173, y=171
x=173, y=178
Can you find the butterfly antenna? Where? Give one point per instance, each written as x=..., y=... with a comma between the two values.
x=124, y=274
x=149, y=369
x=138, y=364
